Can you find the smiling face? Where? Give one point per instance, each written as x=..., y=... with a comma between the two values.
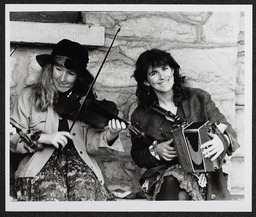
x=63, y=78
x=160, y=78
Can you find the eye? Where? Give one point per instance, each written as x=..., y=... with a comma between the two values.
x=152, y=73
x=165, y=67
x=73, y=73
x=58, y=68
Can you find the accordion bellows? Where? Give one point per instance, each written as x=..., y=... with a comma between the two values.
x=187, y=141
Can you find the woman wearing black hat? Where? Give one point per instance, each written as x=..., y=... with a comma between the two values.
x=58, y=165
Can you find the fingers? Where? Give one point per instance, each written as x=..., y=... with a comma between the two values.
x=61, y=139
x=212, y=148
x=115, y=125
x=60, y=144
x=211, y=134
x=202, y=181
x=111, y=124
x=206, y=144
x=169, y=156
x=166, y=151
x=12, y=129
x=66, y=134
x=123, y=125
x=218, y=153
x=170, y=153
x=168, y=142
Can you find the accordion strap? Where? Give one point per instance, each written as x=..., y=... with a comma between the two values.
x=162, y=111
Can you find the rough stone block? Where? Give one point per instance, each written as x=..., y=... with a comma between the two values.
x=211, y=66
x=160, y=28
x=242, y=130
x=51, y=33
x=222, y=27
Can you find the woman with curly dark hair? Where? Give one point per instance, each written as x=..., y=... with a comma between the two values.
x=160, y=84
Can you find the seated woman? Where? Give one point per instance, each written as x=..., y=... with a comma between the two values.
x=58, y=162
x=160, y=84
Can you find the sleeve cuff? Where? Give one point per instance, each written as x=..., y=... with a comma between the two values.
x=152, y=150
x=116, y=146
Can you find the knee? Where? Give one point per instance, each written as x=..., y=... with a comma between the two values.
x=170, y=181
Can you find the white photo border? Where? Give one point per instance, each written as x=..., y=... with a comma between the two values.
x=244, y=205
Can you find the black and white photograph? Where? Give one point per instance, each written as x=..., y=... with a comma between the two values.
x=128, y=108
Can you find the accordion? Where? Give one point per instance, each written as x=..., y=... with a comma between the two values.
x=188, y=140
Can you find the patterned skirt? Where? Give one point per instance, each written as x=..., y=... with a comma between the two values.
x=151, y=185
x=65, y=177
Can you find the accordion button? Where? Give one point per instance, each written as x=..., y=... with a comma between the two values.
x=224, y=161
x=213, y=196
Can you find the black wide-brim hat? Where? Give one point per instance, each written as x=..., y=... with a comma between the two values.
x=77, y=55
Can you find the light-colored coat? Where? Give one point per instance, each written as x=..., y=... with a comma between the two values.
x=88, y=142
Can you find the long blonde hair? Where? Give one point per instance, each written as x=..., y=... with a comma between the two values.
x=44, y=92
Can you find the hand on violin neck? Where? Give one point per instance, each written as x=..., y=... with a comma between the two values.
x=114, y=128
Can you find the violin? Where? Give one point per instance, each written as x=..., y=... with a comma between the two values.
x=93, y=112
x=69, y=103
x=108, y=110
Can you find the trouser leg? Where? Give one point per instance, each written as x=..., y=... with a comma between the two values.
x=81, y=180
x=48, y=185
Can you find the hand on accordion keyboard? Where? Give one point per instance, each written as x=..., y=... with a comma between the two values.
x=212, y=148
x=166, y=151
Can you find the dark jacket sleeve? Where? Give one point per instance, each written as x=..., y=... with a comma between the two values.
x=140, y=147
x=214, y=115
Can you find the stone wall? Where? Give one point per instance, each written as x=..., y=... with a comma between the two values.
x=209, y=47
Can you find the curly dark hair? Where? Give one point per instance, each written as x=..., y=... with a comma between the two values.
x=155, y=58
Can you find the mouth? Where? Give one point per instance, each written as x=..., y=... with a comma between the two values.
x=163, y=81
x=61, y=84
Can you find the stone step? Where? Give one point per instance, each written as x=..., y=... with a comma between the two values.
x=237, y=193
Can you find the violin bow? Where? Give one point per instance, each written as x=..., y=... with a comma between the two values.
x=94, y=80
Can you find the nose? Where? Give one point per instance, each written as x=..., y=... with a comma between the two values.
x=63, y=76
x=161, y=74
